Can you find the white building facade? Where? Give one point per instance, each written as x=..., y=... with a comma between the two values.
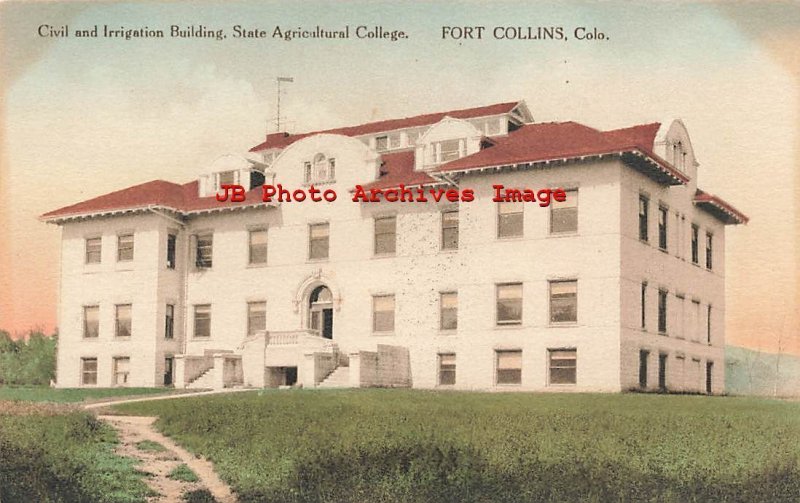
x=620, y=286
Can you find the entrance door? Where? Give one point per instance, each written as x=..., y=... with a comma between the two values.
x=168, y=371
x=320, y=315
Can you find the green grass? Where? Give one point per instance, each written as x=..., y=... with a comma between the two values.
x=150, y=446
x=183, y=473
x=413, y=446
x=68, y=395
x=63, y=456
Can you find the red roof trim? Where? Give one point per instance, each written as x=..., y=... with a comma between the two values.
x=711, y=202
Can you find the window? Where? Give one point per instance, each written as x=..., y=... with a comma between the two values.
x=202, y=320
x=709, y=375
x=169, y=322
x=509, y=367
x=447, y=369
x=695, y=323
x=509, y=219
x=394, y=140
x=93, y=250
x=383, y=313
x=449, y=150
x=256, y=317
x=563, y=301
x=257, y=253
x=91, y=322
x=125, y=247
x=644, y=205
x=509, y=304
x=318, y=241
x=662, y=311
x=321, y=170
x=695, y=244
x=643, y=304
x=382, y=143
x=331, y=169
x=172, y=240
x=204, y=251
x=709, y=250
x=307, y=172
x=122, y=319
x=449, y=229
x=663, y=213
x=122, y=368
x=564, y=215
x=226, y=178
x=643, y=356
x=88, y=371
x=708, y=325
x=563, y=366
x=662, y=371
x=385, y=235
x=448, y=311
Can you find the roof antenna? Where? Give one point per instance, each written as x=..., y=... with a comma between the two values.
x=278, y=118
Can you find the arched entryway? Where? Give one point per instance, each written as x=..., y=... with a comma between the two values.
x=320, y=311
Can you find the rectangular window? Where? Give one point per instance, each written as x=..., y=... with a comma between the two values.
x=122, y=368
x=643, y=356
x=125, y=247
x=331, y=169
x=122, y=319
x=318, y=235
x=448, y=315
x=447, y=369
x=204, y=251
x=202, y=320
x=709, y=251
x=172, y=240
x=257, y=253
x=509, y=304
x=509, y=367
x=643, y=304
x=88, y=371
x=563, y=366
x=383, y=313
x=307, y=172
x=382, y=143
x=662, y=311
x=93, y=250
x=256, y=317
x=509, y=220
x=695, y=244
x=708, y=325
x=662, y=371
x=644, y=206
x=564, y=215
x=450, y=230
x=563, y=301
x=696, y=320
x=709, y=375
x=226, y=178
x=385, y=235
x=91, y=322
x=169, y=322
x=663, y=214
x=449, y=150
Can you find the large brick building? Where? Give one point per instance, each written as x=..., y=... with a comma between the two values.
x=618, y=286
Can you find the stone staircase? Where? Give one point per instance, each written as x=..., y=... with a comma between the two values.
x=203, y=381
x=339, y=378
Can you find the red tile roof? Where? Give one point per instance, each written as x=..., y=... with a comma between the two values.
x=281, y=140
x=154, y=194
x=398, y=168
x=720, y=208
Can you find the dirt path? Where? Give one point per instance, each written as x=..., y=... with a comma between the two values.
x=157, y=465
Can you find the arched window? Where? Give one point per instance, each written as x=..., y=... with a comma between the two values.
x=320, y=311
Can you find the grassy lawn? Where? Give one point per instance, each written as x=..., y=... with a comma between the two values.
x=415, y=446
x=54, y=453
x=68, y=395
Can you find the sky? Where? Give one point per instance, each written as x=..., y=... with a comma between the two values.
x=83, y=117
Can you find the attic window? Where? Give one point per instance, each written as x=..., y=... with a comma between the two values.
x=226, y=178
x=321, y=170
x=382, y=143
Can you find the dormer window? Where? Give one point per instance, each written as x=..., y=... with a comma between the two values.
x=449, y=150
x=226, y=178
x=382, y=143
x=320, y=170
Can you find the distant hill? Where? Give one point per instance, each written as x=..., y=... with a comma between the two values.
x=750, y=372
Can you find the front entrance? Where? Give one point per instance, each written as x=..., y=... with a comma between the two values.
x=281, y=376
x=320, y=311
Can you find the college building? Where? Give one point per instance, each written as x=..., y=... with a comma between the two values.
x=617, y=285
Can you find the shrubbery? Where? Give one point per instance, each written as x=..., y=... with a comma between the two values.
x=27, y=362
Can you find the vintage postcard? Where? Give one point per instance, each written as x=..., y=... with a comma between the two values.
x=273, y=251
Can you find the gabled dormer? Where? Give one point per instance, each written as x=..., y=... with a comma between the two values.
x=673, y=144
x=231, y=169
x=446, y=141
